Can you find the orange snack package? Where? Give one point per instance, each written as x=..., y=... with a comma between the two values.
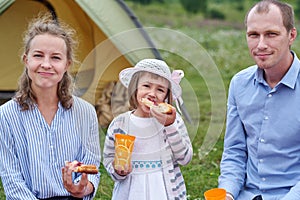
x=123, y=147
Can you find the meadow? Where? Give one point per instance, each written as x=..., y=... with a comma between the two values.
x=224, y=44
x=223, y=52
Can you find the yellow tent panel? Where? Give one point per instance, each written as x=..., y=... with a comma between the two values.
x=97, y=22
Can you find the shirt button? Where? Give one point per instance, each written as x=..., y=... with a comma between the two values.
x=270, y=95
x=262, y=140
x=266, y=117
x=261, y=160
x=263, y=179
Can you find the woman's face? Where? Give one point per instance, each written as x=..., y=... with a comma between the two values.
x=152, y=88
x=46, y=62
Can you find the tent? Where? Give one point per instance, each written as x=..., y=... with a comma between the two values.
x=97, y=22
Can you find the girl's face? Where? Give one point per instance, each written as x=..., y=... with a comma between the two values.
x=46, y=62
x=152, y=88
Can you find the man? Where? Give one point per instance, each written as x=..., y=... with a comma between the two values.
x=261, y=157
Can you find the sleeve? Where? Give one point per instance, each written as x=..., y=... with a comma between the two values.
x=233, y=163
x=109, y=149
x=179, y=141
x=12, y=180
x=91, y=148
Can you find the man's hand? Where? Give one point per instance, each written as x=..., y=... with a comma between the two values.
x=229, y=196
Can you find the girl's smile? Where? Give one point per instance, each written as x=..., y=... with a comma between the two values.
x=152, y=88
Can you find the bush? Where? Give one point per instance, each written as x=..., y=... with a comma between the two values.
x=216, y=14
x=194, y=6
x=142, y=1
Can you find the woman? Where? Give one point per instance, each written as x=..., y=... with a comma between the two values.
x=44, y=125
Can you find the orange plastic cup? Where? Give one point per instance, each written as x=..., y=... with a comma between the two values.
x=123, y=147
x=215, y=194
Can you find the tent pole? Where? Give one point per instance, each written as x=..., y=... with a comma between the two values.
x=140, y=27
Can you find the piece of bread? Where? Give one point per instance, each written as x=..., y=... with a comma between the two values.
x=161, y=107
x=164, y=108
x=147, y=102
x=88, y=169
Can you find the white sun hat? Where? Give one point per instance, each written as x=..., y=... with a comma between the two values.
x=154, y=66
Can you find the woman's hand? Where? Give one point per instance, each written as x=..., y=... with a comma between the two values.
x=80, y=189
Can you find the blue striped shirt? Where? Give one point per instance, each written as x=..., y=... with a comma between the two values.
x=33, y=153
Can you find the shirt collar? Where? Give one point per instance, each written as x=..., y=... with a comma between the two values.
x=259, y=75
x=289, y=78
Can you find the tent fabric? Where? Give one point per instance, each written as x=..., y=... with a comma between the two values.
x=4, y=4
x=110, y=24
x=13, y=22
x=114, y=101
x=102, y=55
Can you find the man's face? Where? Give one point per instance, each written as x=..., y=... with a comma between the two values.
x=267, y=38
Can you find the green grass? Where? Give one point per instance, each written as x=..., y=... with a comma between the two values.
x=224, y=42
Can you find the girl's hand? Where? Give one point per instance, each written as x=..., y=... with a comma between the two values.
x=123, y=172
x=164, y=119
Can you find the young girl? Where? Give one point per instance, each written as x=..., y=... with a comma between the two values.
x=162, y=142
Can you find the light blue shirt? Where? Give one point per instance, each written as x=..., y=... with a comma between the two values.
x=262, y=140
x=33, y=153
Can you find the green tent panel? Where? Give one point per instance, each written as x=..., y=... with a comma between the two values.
x=5, y=4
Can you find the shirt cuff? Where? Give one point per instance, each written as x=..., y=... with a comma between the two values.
x=230, y=188
x=171, y=128
x=229, y=195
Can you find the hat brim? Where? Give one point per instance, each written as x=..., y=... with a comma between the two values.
x=126, y=74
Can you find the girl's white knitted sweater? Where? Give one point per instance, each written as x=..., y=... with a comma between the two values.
x=178, y=151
